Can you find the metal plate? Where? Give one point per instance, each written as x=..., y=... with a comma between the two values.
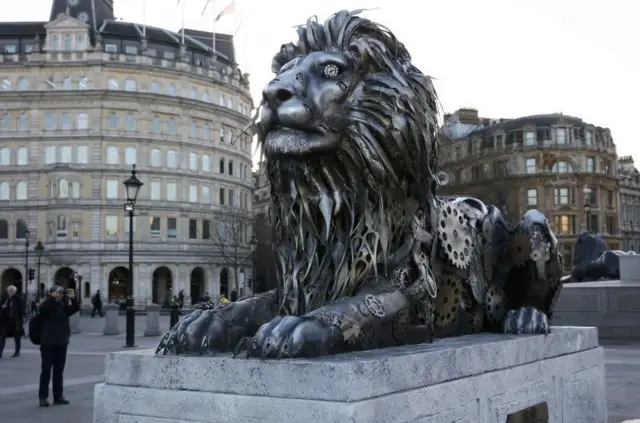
x=538, y=413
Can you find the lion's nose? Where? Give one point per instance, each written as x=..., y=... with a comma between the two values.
x=277, y=93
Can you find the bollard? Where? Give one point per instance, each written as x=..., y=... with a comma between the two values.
x=175, y=314
x=153, y=320
x=111, y=319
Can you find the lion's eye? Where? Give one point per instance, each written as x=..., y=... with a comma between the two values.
x=331, y=71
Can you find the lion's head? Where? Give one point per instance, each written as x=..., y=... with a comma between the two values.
x=348, y=129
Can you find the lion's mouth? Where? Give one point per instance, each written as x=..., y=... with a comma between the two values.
x=285, y=141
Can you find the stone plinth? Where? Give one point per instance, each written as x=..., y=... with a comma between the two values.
x=153, y=320
x=630, y=268
x=612, y=306
x=111, y=319
x=472, y=379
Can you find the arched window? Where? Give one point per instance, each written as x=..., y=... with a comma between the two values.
x=23, y=84
x=82, y=121
x=112, y=155
x=230, y=170
x=113, y=84
x=221, y=165
x=130, y=122
x=130, y=156
x=5, y=156
x=156, y=157
x=61, y=226
x=23, y=122
x=130, y=84
x=221, y=135
x=67, y=42
x=63, y=188
x=113, y=121
x=172, y=126
x=23, y=156
x=562, y=167
x=4, y=191
x=172, y=159
x=21, y=190
x=171, y=90
x=21, y=229
x=156, y=125
x=4, y=229
x=66, y=83
x=155, y=87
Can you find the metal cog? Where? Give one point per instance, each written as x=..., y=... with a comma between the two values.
x=401, y=325
x=448, y=301
x=519, y=249
x=454, y=233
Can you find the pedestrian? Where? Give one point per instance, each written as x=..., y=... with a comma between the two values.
x=12, y=314
x=181, y=298
x=55, y=312
x=96, y=300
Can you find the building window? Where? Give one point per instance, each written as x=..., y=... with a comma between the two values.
x=561, y=135
x=51, y=122
x=194, y=130
x=231, y=197
x=63, y=188
x=66, y=84
x=532, y=197
x=67, y=121
x=154, y=227
x=230, y=103
x=50, y=154
x=563, y=224
x=127, y=222
x=562, y=167
x=5, y=85
x=112, y=189
x=82, y=121
x=112, y=155
x=206, y=229
x=51, y=83
x=130, y=122
x=130, y=156
x=61, y=226
x=4, y=191
x=221, y=135
x=206, y=194
x=22, y=190
x=132, y=50
x=221, y=100
x=593, y=223
x=67, y=42
x=111, y=48
x=206, y=163
x=206, y=97
x=21, y=229
x=193, y=229
x=66, y=154
x=23, y=122
x=530, y=164
x=111, y=226
x=82, y=154
x=156, y=125
x=221, y=165
x=172, y=191
x=130, y=84
x=588, y=138
x=83, y=83
x=23, y=84
x=193, y=193
x=193, y=93
x=156, y=157
x=221, y=196
x=23, y=156
x=156, y=188
x=230, y=166
x=591, y=164
x=155, y=87
x=113, y=121
x=561, y=196
x=113, y=84
x=172, y=159
x=193, y=161
x=206, y=131
x=75, y=189
x=172, y=228
x=172, y=126
x=171, y=90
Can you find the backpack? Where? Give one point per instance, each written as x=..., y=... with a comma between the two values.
x=35, y=329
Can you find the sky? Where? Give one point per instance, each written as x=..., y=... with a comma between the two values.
x=506, y=58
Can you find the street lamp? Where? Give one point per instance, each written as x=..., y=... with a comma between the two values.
x=39, y=248
x=587, y=208
x=254, y=247
x=26, y=264
x=132, y=185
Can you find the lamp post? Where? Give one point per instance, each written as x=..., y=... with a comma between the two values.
x=132, y=185
x=26, y=265
x=587, y=208
x=39, y=248
x=254, y=245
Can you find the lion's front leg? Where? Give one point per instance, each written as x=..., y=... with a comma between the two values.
x=370, y=319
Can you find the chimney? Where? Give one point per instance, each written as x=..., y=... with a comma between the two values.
x=468, y=115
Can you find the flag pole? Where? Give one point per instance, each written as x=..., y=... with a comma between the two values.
x=183, y=7
x=144, y=18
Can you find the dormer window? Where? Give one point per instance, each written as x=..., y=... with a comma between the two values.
x=111, y=48
x=133, y=50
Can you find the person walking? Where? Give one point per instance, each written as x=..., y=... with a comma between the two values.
x=97, y=304
x=12, y=314
x=54, y=314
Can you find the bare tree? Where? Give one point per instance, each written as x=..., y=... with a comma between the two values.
x=231, y=237
x=265, y=277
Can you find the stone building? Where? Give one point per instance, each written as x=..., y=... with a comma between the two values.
x=629, y=203
x=558, y=164
x=261, y=191
x=86, y=96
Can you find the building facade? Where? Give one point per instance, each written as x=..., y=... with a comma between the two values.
x=629, y=203
x=85, y=97
x=558, y=164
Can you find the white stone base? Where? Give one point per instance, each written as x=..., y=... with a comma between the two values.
x=472, y=379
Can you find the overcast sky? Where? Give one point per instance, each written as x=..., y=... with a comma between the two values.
x=507, y=58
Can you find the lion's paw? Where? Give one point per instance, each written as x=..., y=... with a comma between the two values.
x=526, y=320
x=291, y=336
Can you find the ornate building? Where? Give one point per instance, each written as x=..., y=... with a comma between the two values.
x=558, y=164
x=629, y=203
x=84, y=98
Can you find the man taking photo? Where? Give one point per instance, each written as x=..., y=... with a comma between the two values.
x=54, y=314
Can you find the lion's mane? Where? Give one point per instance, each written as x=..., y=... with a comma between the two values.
x=340, y=218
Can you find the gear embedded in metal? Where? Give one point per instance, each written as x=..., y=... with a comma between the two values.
x=374, y=305
x=448, y=301
x=519, y=249
x=401, y=325
x=455, y=234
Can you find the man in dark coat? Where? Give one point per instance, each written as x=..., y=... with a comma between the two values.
x=55, y=312
x=11, y=315
x=97, y=304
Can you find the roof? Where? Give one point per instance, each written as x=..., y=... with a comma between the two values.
x=21, y=29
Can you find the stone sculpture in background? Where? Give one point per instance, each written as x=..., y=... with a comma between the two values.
x=593, y=261
x=369, y=255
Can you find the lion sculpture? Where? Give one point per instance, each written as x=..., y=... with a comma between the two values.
x=368, y=255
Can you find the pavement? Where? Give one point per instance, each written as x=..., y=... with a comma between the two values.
x=85, y=368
